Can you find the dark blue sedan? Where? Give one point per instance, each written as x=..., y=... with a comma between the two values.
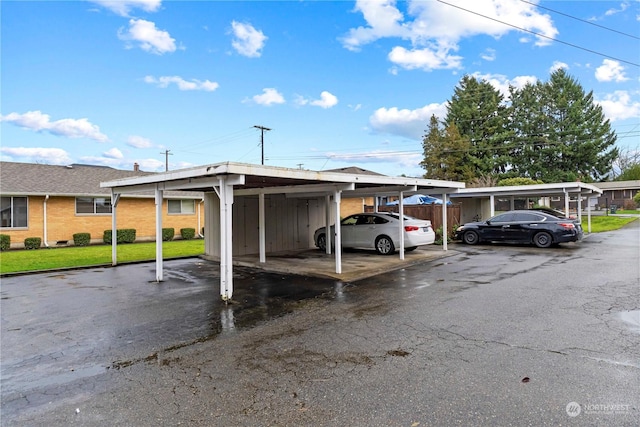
x=525, y=226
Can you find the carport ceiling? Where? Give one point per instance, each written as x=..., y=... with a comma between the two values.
x=271, y=179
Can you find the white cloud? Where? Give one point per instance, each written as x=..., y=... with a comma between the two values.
x=434, y=29
x=51, y=156
x=502, y=83
x=425, y=59
x=70, y=128
x=148, y=37
x=488, y=55
x=557, y=65
x=149, y=165
x=408, y=123
x=623, y=6
x=123, y=7
x=610, y=70
x=327, y=100
x=193, y=84
x=113, y=153
x=139, y=142
x=619, y=106
x=268, y=97
x=406, y=159
x=247, y=40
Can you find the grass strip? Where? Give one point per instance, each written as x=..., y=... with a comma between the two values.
x=16, y=261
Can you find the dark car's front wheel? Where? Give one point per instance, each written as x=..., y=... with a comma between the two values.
x=470, y=237
x=543, y=240
x=384, y=245
x=321, y=242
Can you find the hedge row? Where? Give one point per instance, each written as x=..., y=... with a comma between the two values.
x=124, y=235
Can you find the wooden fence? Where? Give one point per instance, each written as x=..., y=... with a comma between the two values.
x=430, y=212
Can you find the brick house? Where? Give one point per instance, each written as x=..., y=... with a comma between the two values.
x=55, y=202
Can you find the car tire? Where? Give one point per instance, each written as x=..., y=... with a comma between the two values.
x=470, y=237
x=321, y=242
x=543, y=240
x=384, y=245
x=412, y=248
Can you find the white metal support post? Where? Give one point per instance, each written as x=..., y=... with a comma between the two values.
x=327, y=223
x=589, y=214
x=401, y=223
x=226, y=241
x=445, y=226
x=337, y=231
x=261, y=229
x=159, y=266
x=566, y=202
x=114, y=233
x=492, y=202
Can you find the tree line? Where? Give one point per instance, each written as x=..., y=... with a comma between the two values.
x=545, y=131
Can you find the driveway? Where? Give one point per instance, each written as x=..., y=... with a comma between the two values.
x=491, y=335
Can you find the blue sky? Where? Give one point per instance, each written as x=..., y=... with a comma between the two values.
x=339, y=83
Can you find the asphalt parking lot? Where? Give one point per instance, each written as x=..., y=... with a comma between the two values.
x=486, y=335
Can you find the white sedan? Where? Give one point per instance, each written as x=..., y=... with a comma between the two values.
x=379, y=231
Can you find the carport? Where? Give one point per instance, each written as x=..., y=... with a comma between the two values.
x=299, y=201
x=480, y=202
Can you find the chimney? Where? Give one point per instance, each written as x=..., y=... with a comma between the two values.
x=136, y=167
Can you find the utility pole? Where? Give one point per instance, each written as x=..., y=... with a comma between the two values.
x=166, y=161
x=262, y=128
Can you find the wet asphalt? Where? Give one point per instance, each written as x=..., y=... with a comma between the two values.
x=489, y=335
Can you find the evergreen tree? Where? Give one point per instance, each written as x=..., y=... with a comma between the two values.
x=444, y=153
x=477, y=111
x=560, y=134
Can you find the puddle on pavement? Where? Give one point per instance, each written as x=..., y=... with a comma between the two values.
x=631, y=318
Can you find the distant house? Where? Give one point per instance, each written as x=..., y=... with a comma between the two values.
x=619, y=193
x=55, y=202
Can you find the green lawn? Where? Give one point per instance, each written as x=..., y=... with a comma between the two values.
x=606, y=223
x=14, y=261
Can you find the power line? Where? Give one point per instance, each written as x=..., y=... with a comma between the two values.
x=581, y=20
x=541, y=35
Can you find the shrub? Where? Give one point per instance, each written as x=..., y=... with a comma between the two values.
x=507, y=182
x=32, y=243
x=188, y=233
x=168, y=233
x=125, y=235
x=636, y=199
x=630, y=205
x=81, y=239
x=5, y=242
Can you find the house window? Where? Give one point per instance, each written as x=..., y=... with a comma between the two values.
x=186, y=206
x=13, y=212
x=93, y=205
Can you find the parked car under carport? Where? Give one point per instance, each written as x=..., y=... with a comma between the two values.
x=379, y=231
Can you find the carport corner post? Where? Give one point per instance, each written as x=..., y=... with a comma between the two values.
x=115, y=197
x=159, y=267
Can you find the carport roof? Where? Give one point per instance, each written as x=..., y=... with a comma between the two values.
x=536, y=190
x=278, y=180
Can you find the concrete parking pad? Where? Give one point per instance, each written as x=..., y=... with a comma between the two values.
x=356, y=264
